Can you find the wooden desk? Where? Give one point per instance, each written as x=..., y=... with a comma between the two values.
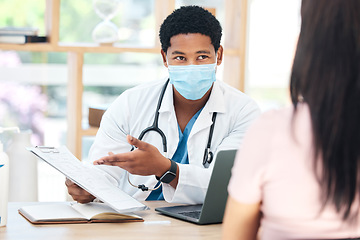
x=155, y=226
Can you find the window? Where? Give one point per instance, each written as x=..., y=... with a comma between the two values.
x=273, y=30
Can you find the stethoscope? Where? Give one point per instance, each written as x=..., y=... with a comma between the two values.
x=208, y=155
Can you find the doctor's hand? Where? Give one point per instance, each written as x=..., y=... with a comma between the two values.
x=145, y=160
x=77, y=193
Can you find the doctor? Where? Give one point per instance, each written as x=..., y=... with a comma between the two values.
x=191, y=117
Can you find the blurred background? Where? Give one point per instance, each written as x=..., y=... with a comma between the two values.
x=33, y=85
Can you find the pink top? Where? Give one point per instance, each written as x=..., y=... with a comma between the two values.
x=275, y=166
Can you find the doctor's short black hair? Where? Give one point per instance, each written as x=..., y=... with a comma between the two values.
x=190, y=19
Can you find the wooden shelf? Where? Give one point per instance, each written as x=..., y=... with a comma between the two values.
x=32, y=47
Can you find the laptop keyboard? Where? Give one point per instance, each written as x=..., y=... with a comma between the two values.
x=192, y=214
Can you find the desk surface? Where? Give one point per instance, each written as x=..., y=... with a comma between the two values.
x=155, y=226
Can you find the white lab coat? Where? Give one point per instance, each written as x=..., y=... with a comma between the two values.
x=134, y=110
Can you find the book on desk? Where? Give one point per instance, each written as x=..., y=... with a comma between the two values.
x=72, y=212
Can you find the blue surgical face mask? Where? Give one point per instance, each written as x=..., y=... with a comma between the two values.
x=192, y=81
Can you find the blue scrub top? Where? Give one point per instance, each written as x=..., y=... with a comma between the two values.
x=180, y=155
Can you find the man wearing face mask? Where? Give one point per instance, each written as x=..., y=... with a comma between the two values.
x=191, y=117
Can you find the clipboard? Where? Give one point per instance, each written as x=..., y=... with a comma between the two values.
x=88, y=177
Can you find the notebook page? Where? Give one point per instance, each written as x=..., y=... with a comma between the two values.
x=51, y=212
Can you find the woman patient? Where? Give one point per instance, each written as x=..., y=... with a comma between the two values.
x=297, y=173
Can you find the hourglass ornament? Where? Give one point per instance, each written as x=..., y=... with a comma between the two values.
x=105, y=31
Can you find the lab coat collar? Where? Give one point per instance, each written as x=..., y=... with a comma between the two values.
x=167, y=104
x=215, y=103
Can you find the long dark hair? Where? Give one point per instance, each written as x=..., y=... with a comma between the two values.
x=326, y=75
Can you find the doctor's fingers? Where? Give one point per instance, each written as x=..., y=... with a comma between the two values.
x=137, y=143
x=126, y=164
x=77, y=193
x=136, y=167
x=68, y=182
x=83, y=198
x=134, y=164
x=114, y=158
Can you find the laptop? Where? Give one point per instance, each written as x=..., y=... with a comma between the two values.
x=212, y=210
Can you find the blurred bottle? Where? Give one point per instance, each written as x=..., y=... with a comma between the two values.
x=4, y=179
x=4, y=186
x=23, y=169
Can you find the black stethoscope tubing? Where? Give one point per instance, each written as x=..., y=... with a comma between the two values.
x=208, y=155
x=155, y=125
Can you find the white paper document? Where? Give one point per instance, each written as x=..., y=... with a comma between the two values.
x=88, y=178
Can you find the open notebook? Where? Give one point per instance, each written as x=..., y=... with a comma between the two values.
x=212, y=211
x=72, y=212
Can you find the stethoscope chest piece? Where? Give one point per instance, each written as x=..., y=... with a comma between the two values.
x=208, y=157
